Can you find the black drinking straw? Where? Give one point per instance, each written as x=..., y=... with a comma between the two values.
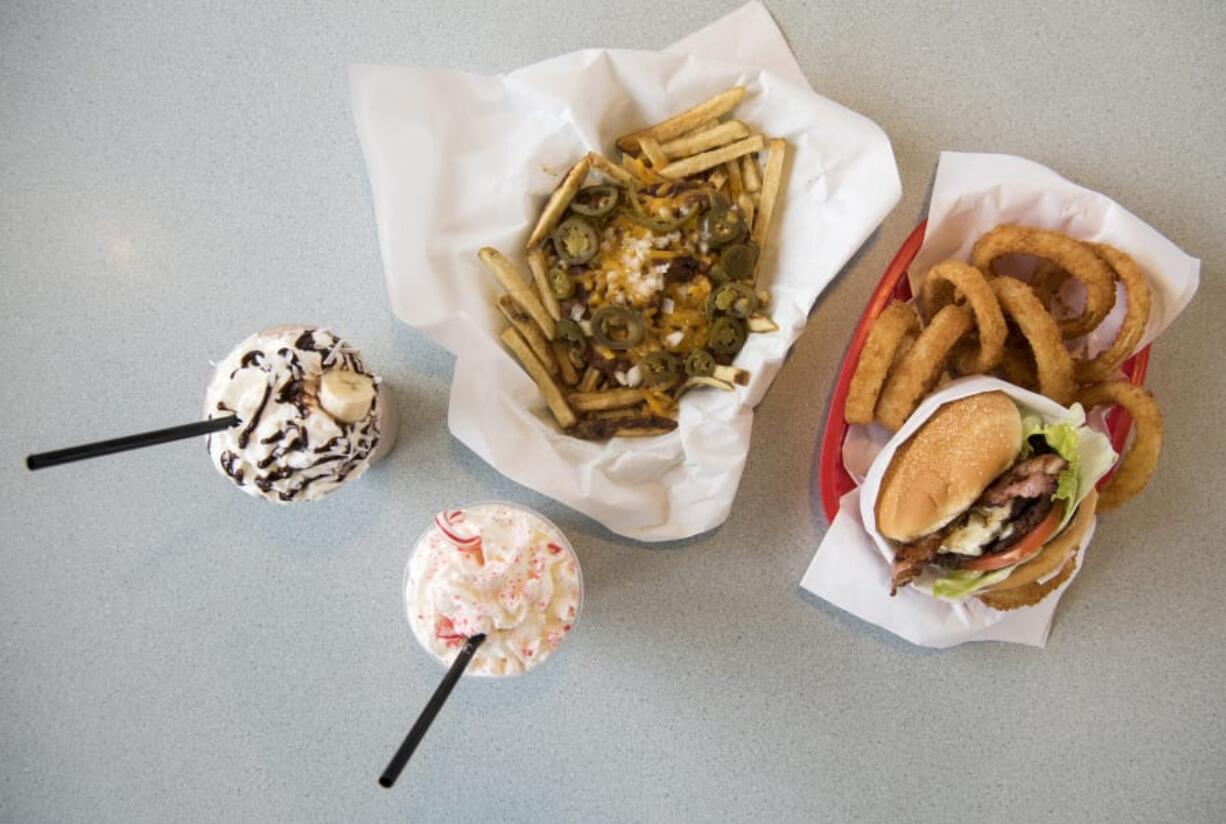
x=427, y=715
x=42, y=460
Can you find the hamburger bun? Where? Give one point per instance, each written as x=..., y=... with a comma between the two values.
x=947, y=464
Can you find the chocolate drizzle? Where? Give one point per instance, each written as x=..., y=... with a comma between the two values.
x=245, y=435
x=253, y=358
x=306, y=341
x=272, y=452
x=294, y=392
x=329, y=446
x=228, y=461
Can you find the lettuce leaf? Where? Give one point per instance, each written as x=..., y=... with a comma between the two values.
x=1088, y=453
x=1062, y=438
x=959, y=583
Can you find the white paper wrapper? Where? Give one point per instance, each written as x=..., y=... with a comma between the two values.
x=972, y=194
x=460, y=161
x=852, y=567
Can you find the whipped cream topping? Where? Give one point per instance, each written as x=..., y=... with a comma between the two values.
x=495, y=569
x=286, y=446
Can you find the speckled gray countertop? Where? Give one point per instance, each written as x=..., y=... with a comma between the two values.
x=173, y=178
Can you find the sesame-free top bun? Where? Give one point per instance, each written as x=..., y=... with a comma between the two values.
x=944, y=467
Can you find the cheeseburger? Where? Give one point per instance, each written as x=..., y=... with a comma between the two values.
x=995, y=503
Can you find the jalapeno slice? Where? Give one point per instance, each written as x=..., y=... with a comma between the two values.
x=722, y=226
x=594, y=201
x=717, y=275
x=727, y=336
x=561, y=283
x=658, y=368
x=575, y=240
x=738, y=259
x=736, y=299
x=617, y=327
x=570, y=334
x=699, y=364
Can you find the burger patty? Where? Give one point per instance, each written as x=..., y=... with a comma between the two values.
x=1026, y=488
x=1027, y=513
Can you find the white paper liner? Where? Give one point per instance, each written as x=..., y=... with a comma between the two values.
x=459, y=161
x=852, y=567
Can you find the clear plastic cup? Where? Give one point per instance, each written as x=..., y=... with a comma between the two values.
x=292, y=473
x=475, y=666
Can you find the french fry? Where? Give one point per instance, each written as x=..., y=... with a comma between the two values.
x=559, y=200
x=562, y=412
x=704, y=146
x=540, y=275
x=514, y=283
x=710, y=109
x=659, y=402
x=745, y=201
x=570, y=376
x=760, y=323
x=770, y=193
x=710, y=124
x=708, y=160
x=591, y=380
x=628, y=412
x=713, y=382
x=523, y=322
x=639, y=171
x=733, y=169
x=749, y=173
x=721, y=135
x=652, y=151
x=608, y=399
x=639, y=424
x=731, y=374
x=610, y=170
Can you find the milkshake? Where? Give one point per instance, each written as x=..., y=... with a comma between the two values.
x=311, y=415
x=497, y=569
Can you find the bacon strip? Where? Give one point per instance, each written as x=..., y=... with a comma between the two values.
x=1032, y=478
x=910, y=559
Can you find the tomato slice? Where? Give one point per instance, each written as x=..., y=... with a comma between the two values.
x=1023, y=550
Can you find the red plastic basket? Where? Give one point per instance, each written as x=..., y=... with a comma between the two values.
x=834, y=479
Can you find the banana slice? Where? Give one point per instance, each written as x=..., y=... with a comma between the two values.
x=346, y=395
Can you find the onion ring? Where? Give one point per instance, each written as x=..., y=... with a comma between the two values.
x=1105, y=364
x=1030, y=594
x=892, y=330
x=1017, y=367
x=1046, y=283
x=951, y=279
x=1135, y=468
x=1053, y=362
x=1071, y=255
x=1048, y=280
x=920, y=369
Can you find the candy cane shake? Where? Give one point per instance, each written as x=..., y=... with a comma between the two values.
x=497, y=569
